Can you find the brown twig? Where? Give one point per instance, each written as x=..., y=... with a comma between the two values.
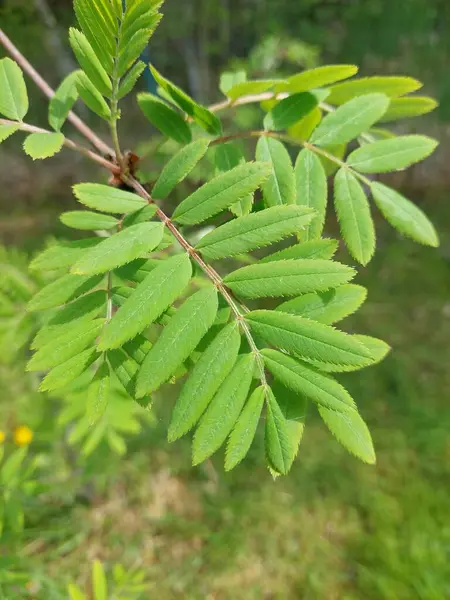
x=49, y=92
x=68, y=143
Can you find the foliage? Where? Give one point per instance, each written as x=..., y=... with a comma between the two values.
x=121, y=315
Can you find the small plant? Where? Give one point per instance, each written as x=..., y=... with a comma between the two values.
x=146, y=302
x=125, y=585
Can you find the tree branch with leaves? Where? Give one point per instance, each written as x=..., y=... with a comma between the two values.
x=111, y=294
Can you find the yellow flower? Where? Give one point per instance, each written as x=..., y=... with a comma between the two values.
x=2, y=437
x=23, y=435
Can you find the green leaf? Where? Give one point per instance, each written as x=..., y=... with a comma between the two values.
x=179, y=167
x=327, y=307
x=306, y=381
x=68, y=371
x=66, y=346
x=377, y=348
x=224, y=410
x=392, y=154
x=229, y=79
x=178, y=340
x=304, y=128
x=404, y=215
x=13, y=91
x=404, y=108
x=288, y=278
x=120, y=249
x=315, y=78
x=350, y=120
x=205, y=379
x=280, y=186
x=62, y=102
x=323, y=248
x=308, y=339
x=312, y=191
x=43, y=145
x=131, y=79
x=99, y=28
x=75, y=593
x=86, y=307
x=98, y=393
x=355, y=220
x=6, y=131
x=350, y=430
x=279, y=448
x=244, y=431
x=62, y=255
x=138, y=348
x=290, y=110
x=131, y=51
x=92, y=97
x=144, y=214
x=125, y=369
x=254, y=231
x=202, y=116
x=226, y=157
x=258, y=86
x=391, y=86
x=89, y=62
x=107, y=199
x=149, y=300
x=99, y=584
x=220, y=193
x=294, y=408
x=165, y=118
x=88, y=221
x=62, y=290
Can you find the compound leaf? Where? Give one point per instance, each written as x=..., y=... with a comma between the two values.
x=178, y=340
x=92, y=97
x=205, y=379
x=290, y=110
x=315, y=78
x=89, y=62
x=62, y=255
x=404, y=108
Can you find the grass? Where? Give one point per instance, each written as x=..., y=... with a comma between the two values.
x=335, y=529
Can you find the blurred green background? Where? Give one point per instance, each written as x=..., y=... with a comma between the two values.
x=334, y=529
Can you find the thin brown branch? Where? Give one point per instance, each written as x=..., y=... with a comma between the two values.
x=68, y=143
x=49, y=92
